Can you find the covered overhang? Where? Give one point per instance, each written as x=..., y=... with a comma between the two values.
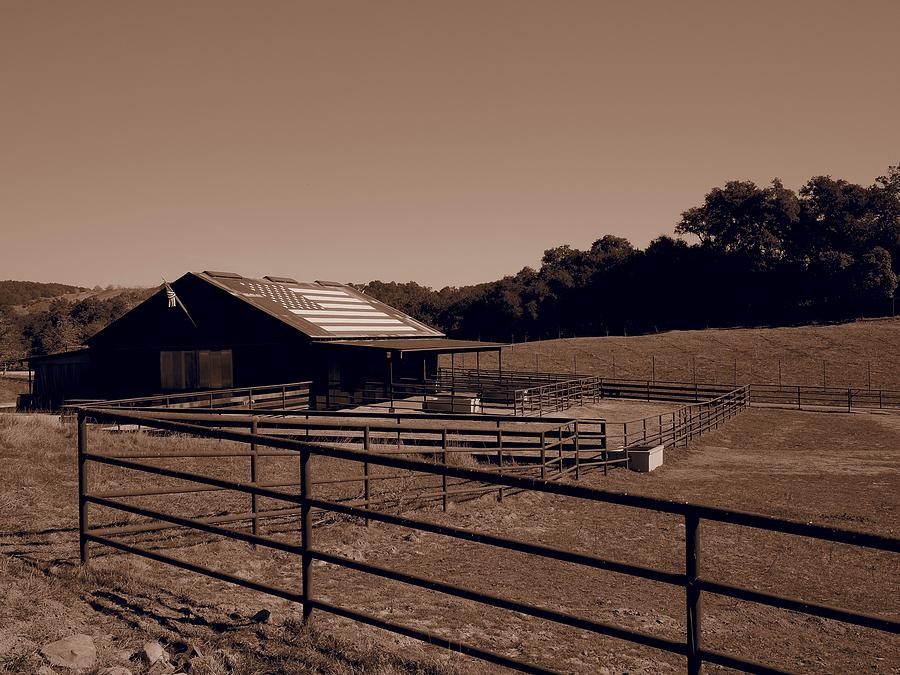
x=418, y=346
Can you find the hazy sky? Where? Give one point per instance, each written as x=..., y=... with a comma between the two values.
x=444, y=142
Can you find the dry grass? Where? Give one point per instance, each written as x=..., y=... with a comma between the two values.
x=123, y=601
x=853, y=354
x=820, y=467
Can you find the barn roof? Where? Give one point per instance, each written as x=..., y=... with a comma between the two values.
x=434, y=345
x=322, y=309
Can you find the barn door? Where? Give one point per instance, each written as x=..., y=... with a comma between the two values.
x=191, y=369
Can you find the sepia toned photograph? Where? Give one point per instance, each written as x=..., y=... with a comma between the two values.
x=430, y=337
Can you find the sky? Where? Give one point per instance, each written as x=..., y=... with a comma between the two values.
x=443, y=142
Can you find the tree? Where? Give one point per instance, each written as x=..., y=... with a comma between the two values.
x=875, y=280
x=744, y=218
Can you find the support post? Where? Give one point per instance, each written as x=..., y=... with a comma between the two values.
x=560, y=451
x=306, y=532
x=577, y=465
x=444, y=476
x=692, y=590
x=543, y=458
x=366, y=446
x=254, y=476
x=391, y=379
x=83, y=522
x=452, y=377
x=500, y=461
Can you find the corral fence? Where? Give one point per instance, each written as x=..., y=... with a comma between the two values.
x=845, y=398
x=306, y=500
x=554, y=392
x=287, y=396
x=680, y=426
x=553, y=449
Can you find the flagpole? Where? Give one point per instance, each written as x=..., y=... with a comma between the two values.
x=174, y=301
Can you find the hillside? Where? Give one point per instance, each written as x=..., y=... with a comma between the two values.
x=853, y=354
x=25, y=292
x=59, y=320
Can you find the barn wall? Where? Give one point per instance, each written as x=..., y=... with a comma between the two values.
x=60, y=377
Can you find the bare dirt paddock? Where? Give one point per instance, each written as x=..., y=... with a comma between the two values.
x=827, y=468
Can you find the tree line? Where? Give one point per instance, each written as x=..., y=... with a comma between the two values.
x=749, y=255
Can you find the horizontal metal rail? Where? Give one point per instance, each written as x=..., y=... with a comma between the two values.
x=748, y=519
x=690, y=579
x=275, y=396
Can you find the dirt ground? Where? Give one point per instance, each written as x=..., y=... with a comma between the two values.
x=829, y=468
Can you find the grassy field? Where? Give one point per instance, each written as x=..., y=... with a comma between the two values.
x=854, y=354
x=829, y=468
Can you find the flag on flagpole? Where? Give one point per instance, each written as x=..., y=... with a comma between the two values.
x=175, y=301
x=170, y=295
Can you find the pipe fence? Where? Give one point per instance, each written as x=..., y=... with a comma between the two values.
x=557, y=392
x=287, y=396
x=680, y=426
x=306, y=501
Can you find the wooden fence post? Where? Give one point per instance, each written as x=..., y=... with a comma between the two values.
x=306, y=533
x=83, y=522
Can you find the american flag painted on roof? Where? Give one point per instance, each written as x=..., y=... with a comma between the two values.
x=326, y=311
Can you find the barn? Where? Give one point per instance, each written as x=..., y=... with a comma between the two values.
x=219, y=330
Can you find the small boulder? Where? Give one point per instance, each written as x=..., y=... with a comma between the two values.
x=262, y=616
x=75, y=651
x=153, y=652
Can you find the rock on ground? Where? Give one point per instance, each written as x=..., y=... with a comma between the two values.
x=75, y=651
x=153, y=652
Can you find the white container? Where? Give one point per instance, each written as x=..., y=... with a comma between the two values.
x=645, y=458
x=447, y=403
